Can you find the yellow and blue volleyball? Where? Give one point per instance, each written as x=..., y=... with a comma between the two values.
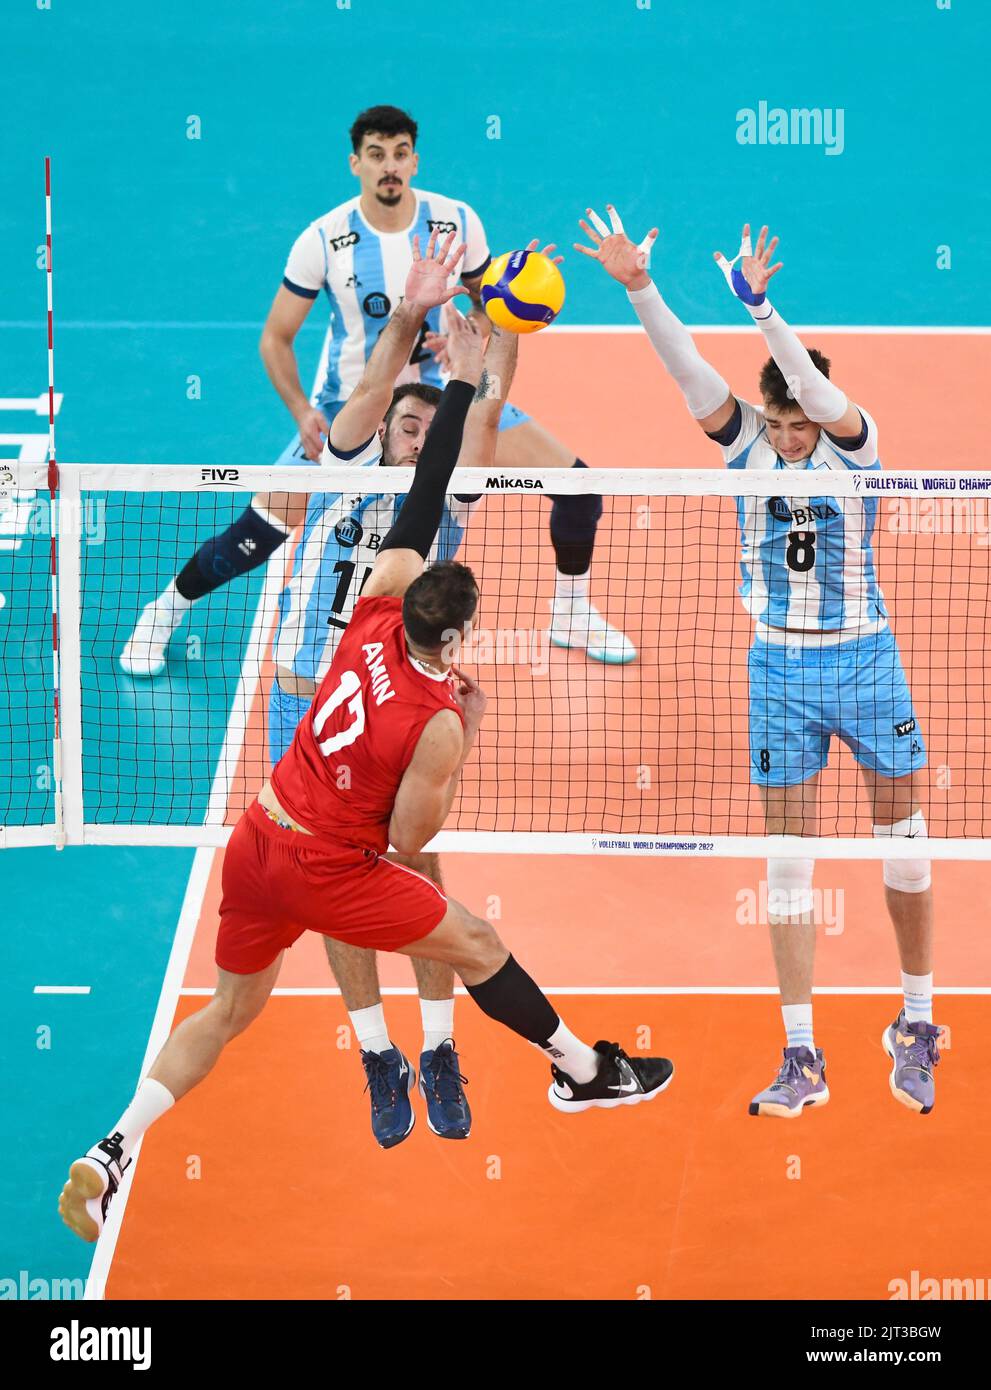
x=522, y=291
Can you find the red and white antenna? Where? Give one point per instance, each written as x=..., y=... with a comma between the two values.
x=53, y=481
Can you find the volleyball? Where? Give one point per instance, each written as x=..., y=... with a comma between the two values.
x=522, y=291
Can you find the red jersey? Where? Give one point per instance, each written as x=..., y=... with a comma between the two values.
x=340, y=775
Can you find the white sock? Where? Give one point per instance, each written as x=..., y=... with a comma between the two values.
x=798, y=1025
x=151, y=1100
x=170, y=603
x=570, y=589
x=369, y=1028
x=918, y=990
x=437, y=1016
x=580, y=1061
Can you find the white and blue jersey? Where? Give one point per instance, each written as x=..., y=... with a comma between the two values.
x=340, y=541
x=807, y=565
x=363, y=273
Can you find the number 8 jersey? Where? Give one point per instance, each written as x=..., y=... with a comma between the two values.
x=806, y=563
x=340, y=776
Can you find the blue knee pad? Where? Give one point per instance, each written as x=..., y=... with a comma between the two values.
x=284, y=714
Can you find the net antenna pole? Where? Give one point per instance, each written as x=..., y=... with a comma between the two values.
x=53, y=483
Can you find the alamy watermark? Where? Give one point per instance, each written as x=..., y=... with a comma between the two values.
x=795, y=125
x=500, y=646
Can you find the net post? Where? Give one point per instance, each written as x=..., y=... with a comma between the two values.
x=70, y=773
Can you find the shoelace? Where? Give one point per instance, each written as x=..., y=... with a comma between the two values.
x=445, y=1075
x=923, y=1053
x=791, y=1070
x=382, y=1091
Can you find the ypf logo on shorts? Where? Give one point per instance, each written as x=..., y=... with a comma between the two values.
x=348, y=532
x=376, y=305
x=907, y=726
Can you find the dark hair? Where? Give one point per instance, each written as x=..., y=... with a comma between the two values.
x=438, y=603
x=429, y=395
x=774, y=388
x=382, y=120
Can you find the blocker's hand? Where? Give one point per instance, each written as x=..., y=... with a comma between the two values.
x=619, y=257
x=546, y=251
x=750, y=282
x=426, y=284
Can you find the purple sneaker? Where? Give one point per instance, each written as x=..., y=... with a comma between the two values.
x=914, y=1052
x=800, y=1082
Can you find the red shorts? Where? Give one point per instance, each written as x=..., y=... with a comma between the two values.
x=278, y=884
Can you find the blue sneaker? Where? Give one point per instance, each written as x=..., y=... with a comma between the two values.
x=800, y=1082
x=390, y=1081
x=441, y=1081
x=914, y=1052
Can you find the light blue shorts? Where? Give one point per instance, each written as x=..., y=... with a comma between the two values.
x=284, y=714
x=510, y=417
x=801, y=696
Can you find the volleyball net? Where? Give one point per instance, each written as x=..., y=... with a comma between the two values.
x=658, y=756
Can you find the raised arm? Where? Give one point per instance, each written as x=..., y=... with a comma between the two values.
x=707, y=396
x=426, y=287
x=823, y=403
x=408, y=541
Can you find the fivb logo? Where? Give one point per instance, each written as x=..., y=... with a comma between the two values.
x=798, y=125
x=225, y=477
x=80, y=1343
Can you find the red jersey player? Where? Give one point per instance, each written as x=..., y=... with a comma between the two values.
x=377, y=760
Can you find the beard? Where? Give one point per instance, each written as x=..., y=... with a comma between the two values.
x=389, y=194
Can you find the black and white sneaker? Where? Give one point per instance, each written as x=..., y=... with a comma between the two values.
x=93, y=1183
x=621, y=1080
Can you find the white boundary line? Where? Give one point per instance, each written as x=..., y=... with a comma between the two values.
x=189, y=916
x=316, y=992
x=240, y=325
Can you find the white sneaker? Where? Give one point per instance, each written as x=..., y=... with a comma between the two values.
x=580, y=624
x=93, y=1182
x=144, y=654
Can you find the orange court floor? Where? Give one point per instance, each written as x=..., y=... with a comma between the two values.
x=265, y=1181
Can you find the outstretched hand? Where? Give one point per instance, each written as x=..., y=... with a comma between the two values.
x=620, y=258
x=427, y=282
x=751, y=280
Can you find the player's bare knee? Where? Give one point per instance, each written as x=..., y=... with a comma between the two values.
x=483, y=949
x=234, y=1011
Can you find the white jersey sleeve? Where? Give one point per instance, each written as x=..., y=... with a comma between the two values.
x=306, y=268
x=477, y=255
x=864, y=453
x=735, y=447
x=361, y=457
